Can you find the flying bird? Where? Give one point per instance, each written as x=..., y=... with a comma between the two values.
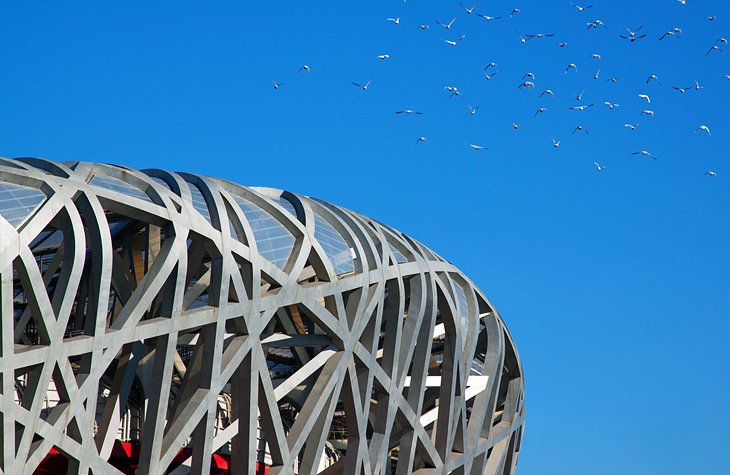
x=514, y=11
x=527, y=84
x=595, y=24
x=516, y=125
x=394, y=20
x=581, y=9
x=653, y=77
x=682, y=89
x=697, y=86
x=490, y=65
x=306, y=68
x=650, y=113
x=644, y=153
x=528, y=75
x=364, y=87
x=581, y=108
x=488, y=76
x=714, y=48
x=570, y=66
x=556, y=143
x=599, y=167
x=645, y=97
x=610, y=105
x=579, y=97
x=580, y=128
x=408, y=112
x=489, y=18
x=447, y=26
x=540, y=110
x=704, y=128
x=383, y=56
x=632, y=34
x=595, y=76
x=453, y=43
x=596, y=56
x=469, y=10
x=549, y=92
x=421, y=139
x=712, y=18
x=710, y=173
x=540, y=35
x=277, y=85
x=477, y=147
x=424, y=27
x=631, y=126
x=472, y=110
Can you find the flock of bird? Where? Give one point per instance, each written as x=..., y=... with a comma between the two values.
x=528, y=80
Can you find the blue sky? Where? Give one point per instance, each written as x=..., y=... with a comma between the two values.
x=613, y=284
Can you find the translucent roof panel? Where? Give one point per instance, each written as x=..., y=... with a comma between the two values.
x=463, y=305
x=399, y=257
x=115, y=184
x=17, y=202
x=286, y=205
x=161, y=182
x=199, y=202
x=334, y=245
x=273, y=240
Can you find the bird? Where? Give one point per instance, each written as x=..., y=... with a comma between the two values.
x=383, y=56
x=712, y=18
x=364, y=87
x=595, y=76
x=421, y=139
x=704, y=128
x=277, y=85
x=394, y=20
x=631, y=126
x=711, y=173
x=644, y=153
x=541, y=109
x=469, y=10
x=645, y=97
x=451, y=88
x=527, y=84
x=489, y=18
x=528, y=75
x=570, y=66
x=682, y=89
x=581, y=9
x=612, y=80
x=721, y=41
x=580, y=128
x=514, y=11
x=447, y=26
x=516, y=125
x=549, y=92
x=727, y=76
x=697, y=86
x=453, y=43
x=595, y=24
x=650, y=113
x=676, y=32
x=556, y=143
x=599, y=167
x=610, y=105
x=522, y=38
x=682, y=2
x=472, y=110
x=477, y=147
x=654, y=77
x=539, y=35
x=488, y=76
x=455, y=93
x=714, y=48
x=581, y=108
x=306, y=68
x=579, y=97
x=424, y=27
x=490, y=65
x=408, y=112
x=596, y=56
x=632, y=34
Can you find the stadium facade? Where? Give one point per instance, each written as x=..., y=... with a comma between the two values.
x=157, y=322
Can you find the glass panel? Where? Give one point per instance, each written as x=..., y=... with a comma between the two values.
x=399, y=257
x=273, y=240
x=17, y=202
x=161, y=182
x=115, y=184
x=334, y=245
x=286, y=205
x=199, y=202
x=463, y=305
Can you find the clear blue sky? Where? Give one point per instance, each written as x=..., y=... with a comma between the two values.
x=614, y=284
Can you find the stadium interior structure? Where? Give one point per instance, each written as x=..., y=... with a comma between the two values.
x=159, y=322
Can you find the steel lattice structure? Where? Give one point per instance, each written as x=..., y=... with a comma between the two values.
x=196, y=320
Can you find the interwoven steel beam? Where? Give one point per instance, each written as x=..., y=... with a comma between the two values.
x=201, y=324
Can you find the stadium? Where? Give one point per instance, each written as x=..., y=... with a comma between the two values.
x=159, y=322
